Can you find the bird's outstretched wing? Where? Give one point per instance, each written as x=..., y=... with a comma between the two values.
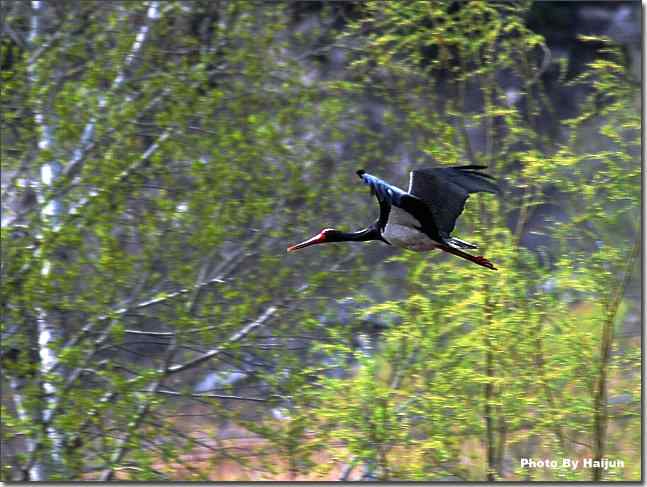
x=445, y=190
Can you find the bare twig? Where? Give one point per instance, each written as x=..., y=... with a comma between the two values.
x=211, y=396
x=239, y=335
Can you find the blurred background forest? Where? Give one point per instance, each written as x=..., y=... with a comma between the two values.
x=159, y=157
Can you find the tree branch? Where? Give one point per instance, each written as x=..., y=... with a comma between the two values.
x=239, y=335
x=210, y=396
x=142, y=411
x=78, y=156
x=600, y=406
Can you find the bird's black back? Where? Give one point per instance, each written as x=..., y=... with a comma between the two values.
x=446, y=189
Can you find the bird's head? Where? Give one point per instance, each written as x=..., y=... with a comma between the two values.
x=325, y=236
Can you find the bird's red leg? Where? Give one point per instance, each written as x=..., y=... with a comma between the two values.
x=477, y=259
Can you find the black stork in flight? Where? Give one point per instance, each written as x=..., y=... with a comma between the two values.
x=422, y=218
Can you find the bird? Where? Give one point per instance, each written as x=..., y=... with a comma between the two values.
x=422, y=218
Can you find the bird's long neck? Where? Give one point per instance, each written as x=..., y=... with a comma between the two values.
x=364, y=235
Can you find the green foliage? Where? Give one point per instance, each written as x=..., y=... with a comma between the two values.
x=212, y=146
x=521, y=348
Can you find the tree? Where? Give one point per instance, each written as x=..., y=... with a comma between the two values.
x=170, y=138
x=159, y=157
x=498, y=358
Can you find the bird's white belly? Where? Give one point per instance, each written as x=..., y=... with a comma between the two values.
x=408, y=238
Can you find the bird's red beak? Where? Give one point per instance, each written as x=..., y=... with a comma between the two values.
x=317, y=239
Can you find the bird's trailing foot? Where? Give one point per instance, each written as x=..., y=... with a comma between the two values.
x=479, y=259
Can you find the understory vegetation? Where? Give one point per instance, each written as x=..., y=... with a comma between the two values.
x=159, y=157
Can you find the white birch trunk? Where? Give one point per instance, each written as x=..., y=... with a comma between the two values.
x=49, y=330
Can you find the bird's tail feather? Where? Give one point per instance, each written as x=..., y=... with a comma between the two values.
x=459, y=244
x=477, y=259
